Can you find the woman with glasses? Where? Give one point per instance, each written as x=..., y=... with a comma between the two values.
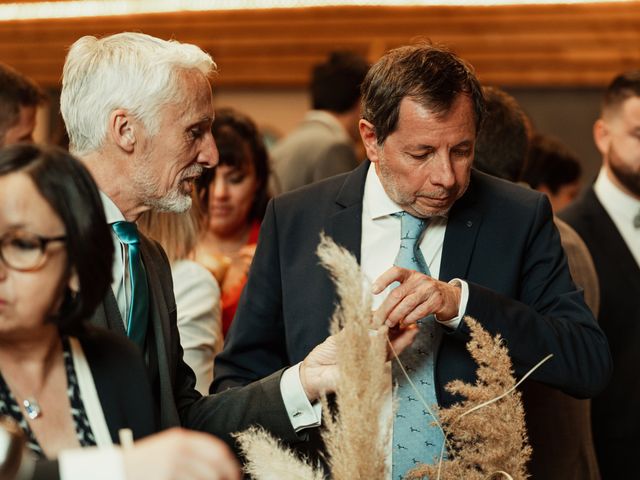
x=68, y=384
x=57, y=374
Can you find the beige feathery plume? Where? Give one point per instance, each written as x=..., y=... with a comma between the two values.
x=491, y=441
x=268, y=459
x=355, y=438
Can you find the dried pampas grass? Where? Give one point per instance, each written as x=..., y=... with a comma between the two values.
x=487, y=438
x=268, y=459
x=355, y=438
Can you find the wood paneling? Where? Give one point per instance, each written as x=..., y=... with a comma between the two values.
x=533, y=46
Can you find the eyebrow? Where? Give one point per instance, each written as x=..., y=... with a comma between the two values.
x=464, y=143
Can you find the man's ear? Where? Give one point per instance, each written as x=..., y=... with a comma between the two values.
x=122, y=129
x=369, y=139
x=602, y=136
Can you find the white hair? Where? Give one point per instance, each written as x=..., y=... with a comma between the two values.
x=132, y=71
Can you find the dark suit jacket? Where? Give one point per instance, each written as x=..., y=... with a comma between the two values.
x=615, y=415
x=499, y=237
x=176, y=400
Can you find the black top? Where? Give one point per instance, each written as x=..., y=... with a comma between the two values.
x=9, y=406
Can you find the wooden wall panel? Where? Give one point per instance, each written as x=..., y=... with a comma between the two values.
x=524, y=46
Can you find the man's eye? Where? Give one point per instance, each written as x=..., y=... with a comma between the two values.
x=195, y=133
x=462, y=153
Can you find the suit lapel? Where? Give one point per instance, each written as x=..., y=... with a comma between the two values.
x=107, y=315
x=463, y=225
x=345, y=225
x=158, y=340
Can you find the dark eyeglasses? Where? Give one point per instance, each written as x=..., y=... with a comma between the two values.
x=24, y=251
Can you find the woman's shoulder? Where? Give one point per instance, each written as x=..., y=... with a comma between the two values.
x=97, y=341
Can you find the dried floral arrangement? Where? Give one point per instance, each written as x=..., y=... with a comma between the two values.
x=486, y=431
x=363, y=386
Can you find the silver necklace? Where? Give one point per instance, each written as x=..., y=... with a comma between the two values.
x=32, y=407
x=30, y=404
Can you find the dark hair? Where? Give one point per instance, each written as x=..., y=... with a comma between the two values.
x=233, y=133
x=69, y=189
x=502, y=143
x=335, y=84
x=622, y=87
x=16, y=91
x=550, y=163
x=429, y=74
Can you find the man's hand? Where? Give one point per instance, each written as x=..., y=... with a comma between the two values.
x=319, y=370
x=417, y=296
x=179, y=454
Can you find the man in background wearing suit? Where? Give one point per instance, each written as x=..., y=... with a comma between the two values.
x=19, y=99
x=138, y=111
x=607, y=217
x=323, y=144
x=559, y=426
x=489, y=250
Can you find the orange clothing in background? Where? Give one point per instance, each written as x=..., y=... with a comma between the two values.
x=231, y=296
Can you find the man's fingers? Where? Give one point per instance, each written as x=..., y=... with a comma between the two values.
x=394, y=274
x=401, y=338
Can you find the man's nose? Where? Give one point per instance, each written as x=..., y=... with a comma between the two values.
x=442, y=173
x=208, y=156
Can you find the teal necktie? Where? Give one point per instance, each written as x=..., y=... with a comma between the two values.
x=415, y=440
x=138, y=317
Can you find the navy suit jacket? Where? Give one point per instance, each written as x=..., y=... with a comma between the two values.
x=614, y=414
x=500, y=238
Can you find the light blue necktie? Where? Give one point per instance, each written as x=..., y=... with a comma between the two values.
x=138, y=317
x=415, y=440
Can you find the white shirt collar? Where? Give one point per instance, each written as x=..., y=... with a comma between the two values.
x=111, y=211
x=375, y=202
x=617, y=203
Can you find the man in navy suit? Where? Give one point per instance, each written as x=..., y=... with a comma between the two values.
x=607, y=217
x=490, y=246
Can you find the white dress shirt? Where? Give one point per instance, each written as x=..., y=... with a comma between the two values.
x=379, y=248
x=622, y=208
x=381, y=241
x=120, y=284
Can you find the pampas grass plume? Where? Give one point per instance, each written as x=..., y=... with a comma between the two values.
x=268, y=459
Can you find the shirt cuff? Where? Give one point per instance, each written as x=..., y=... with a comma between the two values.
x=302, y=414
x=462, y=308
x=95, y=463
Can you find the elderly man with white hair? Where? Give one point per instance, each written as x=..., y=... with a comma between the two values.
x=138, y=111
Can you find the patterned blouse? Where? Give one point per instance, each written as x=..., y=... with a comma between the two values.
x=9, y=406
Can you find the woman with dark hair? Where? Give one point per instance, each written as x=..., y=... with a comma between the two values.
x=55, y=267
x=234, y=197
x=68, y=384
